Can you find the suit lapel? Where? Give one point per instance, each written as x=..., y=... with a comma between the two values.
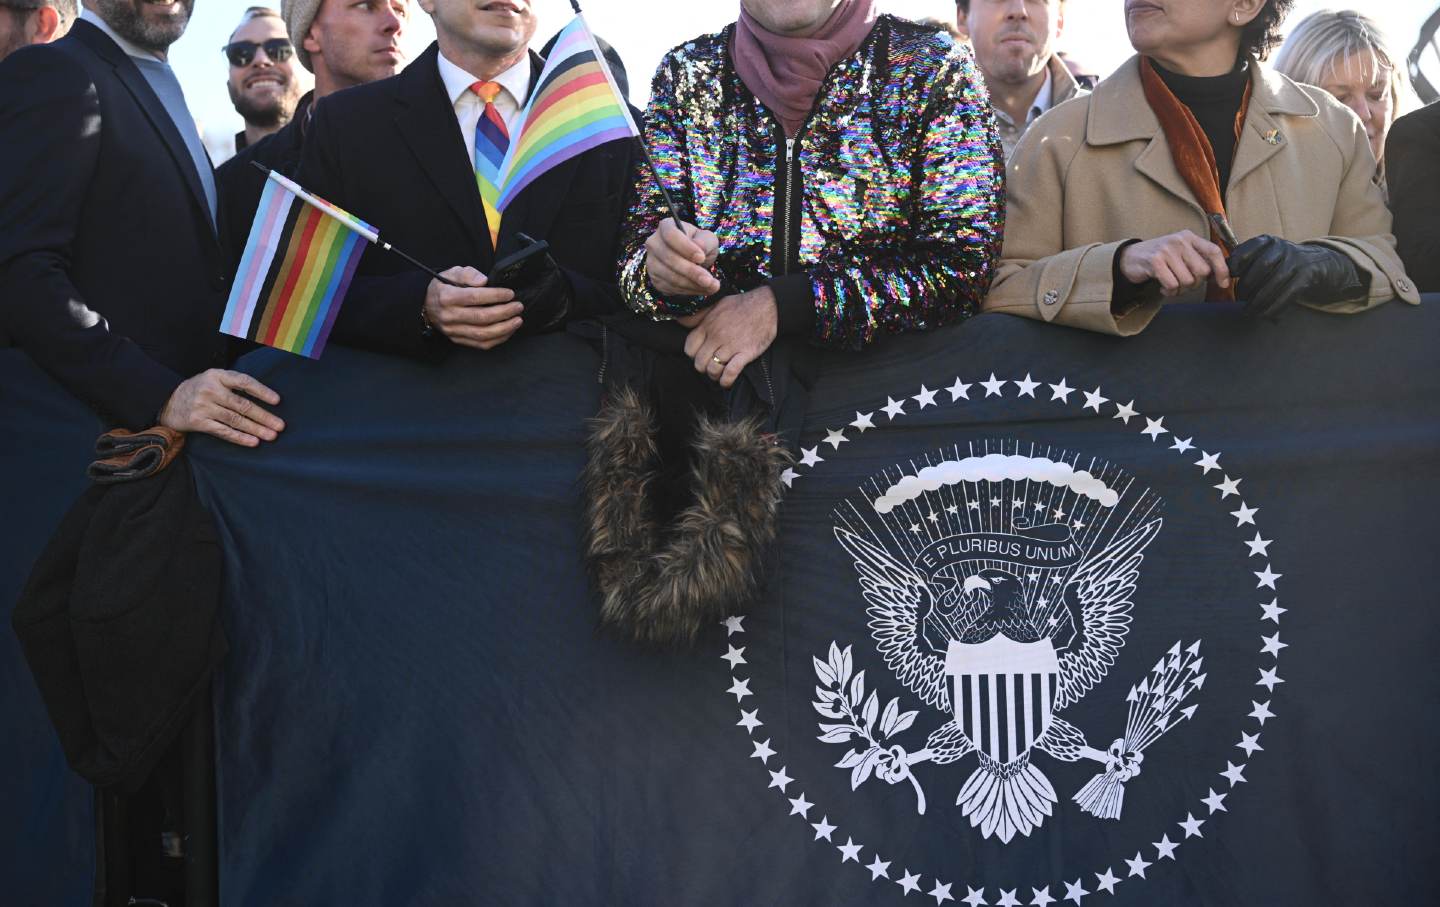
x=1264, y=137
x=535, y=210
x=427, y=125
x=1158, y=164
x=1260, y=140
x=1119, y=113
x=149, y=103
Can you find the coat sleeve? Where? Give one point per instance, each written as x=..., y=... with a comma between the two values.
x=1361, y=224
x=665, y=138
x=941, y=266
x=1039, y=277
x=379, y=312
x=1412, y=163
x=50, y=117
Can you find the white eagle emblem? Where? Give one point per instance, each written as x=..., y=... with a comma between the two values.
x=1001, y=621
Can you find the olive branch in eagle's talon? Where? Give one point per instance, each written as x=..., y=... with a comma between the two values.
x=841, y=697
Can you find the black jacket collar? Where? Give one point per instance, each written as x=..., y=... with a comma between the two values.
x=134, y=82
x=426, y=121
x=427, y=125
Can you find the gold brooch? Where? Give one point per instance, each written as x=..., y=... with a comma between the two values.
x=1273, y=137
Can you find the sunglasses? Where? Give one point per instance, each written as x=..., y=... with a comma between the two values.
x=242, y=53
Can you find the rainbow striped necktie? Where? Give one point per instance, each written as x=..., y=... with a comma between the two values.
x=492, y=140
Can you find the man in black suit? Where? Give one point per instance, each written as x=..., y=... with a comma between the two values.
x=400, y=154
x=1412, y=168
x=111, y=273
x=112, y=280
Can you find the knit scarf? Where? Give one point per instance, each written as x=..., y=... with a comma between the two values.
x=786, y=73
x=1192, y=154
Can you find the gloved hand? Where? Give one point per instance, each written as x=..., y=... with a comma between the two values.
x=124, y=456
x=1274, y=273
x=547, y=296
x=537, y=282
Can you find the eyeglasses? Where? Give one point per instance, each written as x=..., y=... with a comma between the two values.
x=242, y=53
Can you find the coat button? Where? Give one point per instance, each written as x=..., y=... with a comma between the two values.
x=1402, y=285
x=1052, y=297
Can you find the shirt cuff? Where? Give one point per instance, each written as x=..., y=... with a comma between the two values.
x=1128, y=296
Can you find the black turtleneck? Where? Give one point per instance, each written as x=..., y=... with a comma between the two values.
x=1215, y=102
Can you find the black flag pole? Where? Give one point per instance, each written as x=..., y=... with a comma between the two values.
x=308, y=197
x=639, y=139
x=655, y=174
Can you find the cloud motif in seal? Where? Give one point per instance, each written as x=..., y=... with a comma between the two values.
x=996, y=468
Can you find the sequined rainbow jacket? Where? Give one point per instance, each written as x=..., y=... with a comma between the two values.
x=884, y=213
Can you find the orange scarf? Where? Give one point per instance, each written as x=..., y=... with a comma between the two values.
x=1193, y=156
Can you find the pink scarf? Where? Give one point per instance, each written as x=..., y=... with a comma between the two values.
x=786, y=74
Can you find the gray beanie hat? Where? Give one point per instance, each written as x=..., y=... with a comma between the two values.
x=298, y=15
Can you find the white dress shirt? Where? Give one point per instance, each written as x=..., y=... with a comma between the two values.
x=1043, y=97
x=514, y=84
x=1010, y=131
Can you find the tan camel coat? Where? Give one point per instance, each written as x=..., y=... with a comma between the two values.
x=1097, y=171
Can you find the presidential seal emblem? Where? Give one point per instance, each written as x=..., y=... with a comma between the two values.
x=1000, y=664
x=1000, y=588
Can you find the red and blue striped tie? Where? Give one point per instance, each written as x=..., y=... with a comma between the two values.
x=492, y=140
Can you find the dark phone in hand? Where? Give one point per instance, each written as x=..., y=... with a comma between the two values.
x=520, y=268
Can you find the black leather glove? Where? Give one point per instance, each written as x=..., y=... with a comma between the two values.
x=547, y=296
x=540, y=284
x=1274, y=274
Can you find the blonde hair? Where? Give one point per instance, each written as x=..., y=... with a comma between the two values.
x=1317, y=45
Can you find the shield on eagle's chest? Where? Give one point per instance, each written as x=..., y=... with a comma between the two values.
x=1003, y=693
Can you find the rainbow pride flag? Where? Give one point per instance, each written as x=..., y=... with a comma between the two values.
x=575, y=106
x=298, y=262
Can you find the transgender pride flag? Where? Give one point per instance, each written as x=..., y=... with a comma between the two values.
x=575, y=106
x=298, y=262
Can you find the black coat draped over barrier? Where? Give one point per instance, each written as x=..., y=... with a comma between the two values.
x=1055, y=618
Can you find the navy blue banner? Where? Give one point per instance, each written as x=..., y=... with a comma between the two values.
x=1057, y=619
x=1222, y=700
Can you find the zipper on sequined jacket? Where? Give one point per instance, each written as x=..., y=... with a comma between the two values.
x=789, y=190
x=785, y=228
x=789, y=202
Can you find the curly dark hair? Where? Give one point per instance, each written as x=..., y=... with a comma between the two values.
x=1262, y=35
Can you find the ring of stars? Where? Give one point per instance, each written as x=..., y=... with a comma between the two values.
x=1064, y=890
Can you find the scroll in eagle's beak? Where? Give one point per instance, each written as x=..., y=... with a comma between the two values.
x=974, y=582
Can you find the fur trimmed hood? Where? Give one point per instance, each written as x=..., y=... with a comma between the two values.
x=659, y=583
